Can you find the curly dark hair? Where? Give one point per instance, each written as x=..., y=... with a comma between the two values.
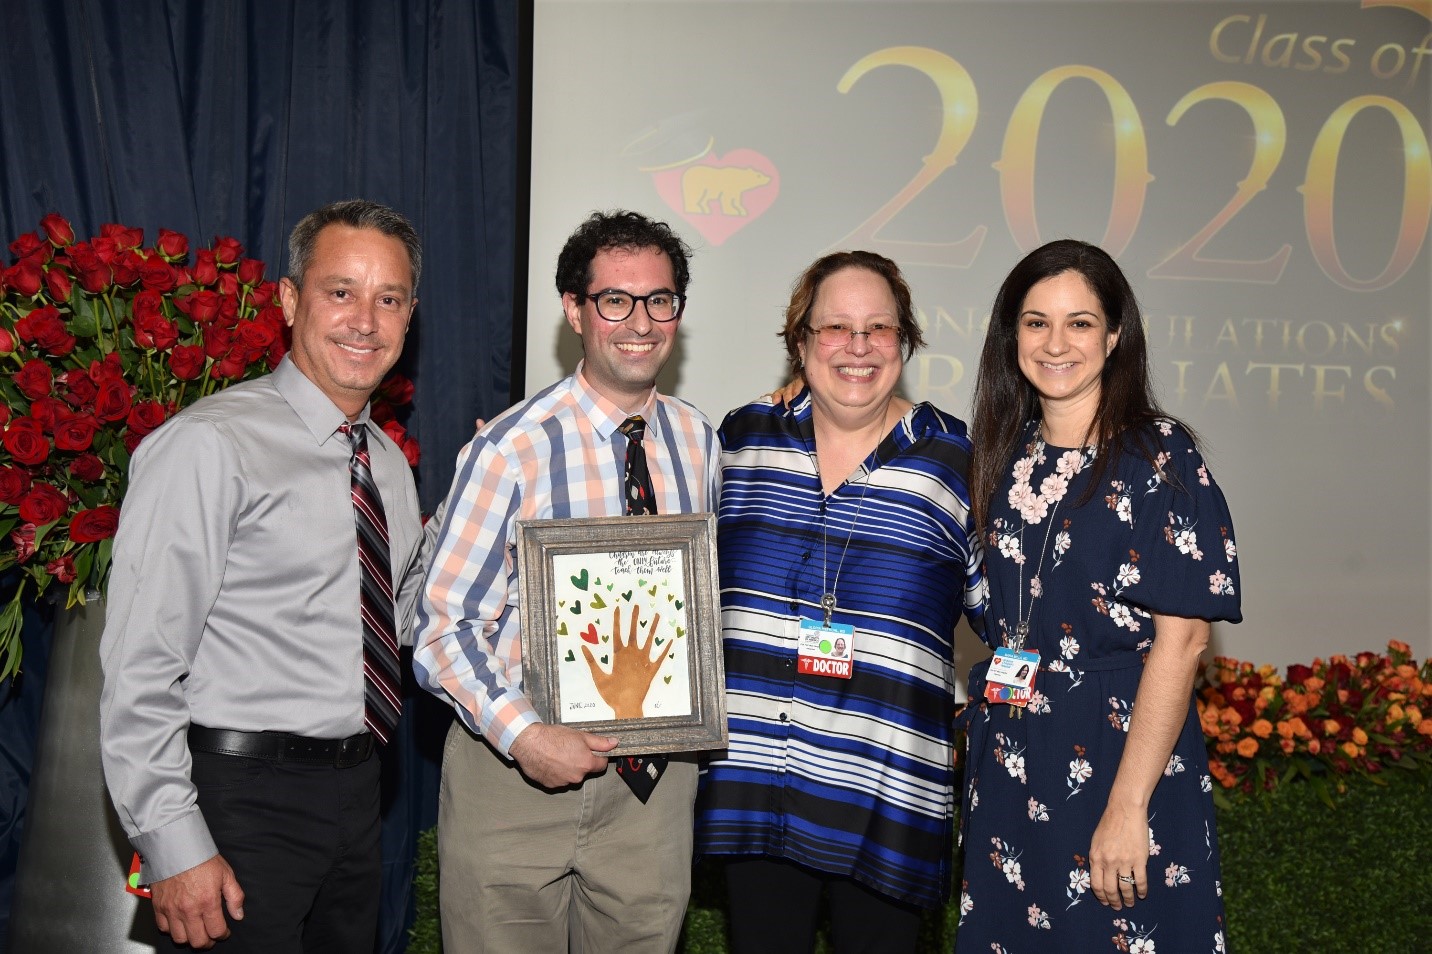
x=618, y=229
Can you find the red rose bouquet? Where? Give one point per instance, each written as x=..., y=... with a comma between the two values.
x=1365, y=715
x=101, y=342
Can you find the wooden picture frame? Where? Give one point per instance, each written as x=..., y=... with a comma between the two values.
x=599, y=596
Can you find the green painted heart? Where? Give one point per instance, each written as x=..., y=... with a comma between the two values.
x=580, y=580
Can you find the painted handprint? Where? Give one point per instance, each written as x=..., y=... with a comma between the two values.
x=633, y=669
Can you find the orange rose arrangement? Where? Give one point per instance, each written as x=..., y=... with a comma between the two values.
x=1362, y=715
x=101, y=342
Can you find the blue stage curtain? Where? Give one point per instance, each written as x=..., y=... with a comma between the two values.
x=236, y=118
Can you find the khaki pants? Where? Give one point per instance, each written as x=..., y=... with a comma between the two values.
x=587, y=869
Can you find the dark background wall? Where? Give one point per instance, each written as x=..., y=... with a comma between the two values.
x=236, y=118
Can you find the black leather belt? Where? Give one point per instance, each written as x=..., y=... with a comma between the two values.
x=282, y=747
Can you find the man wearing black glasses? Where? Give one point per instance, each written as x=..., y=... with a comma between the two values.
x=542, y=848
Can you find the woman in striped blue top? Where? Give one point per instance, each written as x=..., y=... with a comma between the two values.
x=845, y=537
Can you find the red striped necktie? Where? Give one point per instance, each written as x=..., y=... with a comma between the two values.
x=382, y=679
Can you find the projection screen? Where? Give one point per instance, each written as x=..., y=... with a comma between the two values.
x=1260, y=170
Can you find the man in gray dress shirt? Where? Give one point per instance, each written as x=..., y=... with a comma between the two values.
x=232, y=716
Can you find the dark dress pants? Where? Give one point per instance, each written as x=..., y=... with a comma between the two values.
x=774, y=906
x=303, y=841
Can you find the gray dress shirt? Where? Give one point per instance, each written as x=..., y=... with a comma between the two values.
x=233, y=601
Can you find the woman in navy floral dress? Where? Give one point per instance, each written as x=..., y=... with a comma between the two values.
x=1088, y=821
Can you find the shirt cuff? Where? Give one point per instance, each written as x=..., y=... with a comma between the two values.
x=508, y=722
x=178, y=846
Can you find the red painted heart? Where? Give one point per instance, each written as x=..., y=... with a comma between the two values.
x=719, y=196
x=589, y=634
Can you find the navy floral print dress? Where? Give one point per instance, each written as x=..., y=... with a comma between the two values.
x=1086, y=577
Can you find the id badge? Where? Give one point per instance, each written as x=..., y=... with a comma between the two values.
x=826, y=650
x=1011, y=676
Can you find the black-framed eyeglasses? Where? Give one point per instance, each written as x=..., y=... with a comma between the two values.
x=616, y=305
x=837, y=335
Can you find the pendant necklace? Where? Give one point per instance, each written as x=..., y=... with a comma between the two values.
x=827, y=601
x=1021, y=630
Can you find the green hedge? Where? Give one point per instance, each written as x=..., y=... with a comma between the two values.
x=426, y=937
x=1298, y=875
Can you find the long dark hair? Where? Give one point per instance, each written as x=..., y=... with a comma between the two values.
x=1005, y=402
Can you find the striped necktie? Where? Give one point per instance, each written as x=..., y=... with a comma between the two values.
x=640, y=772
x=382, y=680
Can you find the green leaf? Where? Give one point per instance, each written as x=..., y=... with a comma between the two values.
x=91, y=495
x=41, y=532
x=104, y=554
x=84, y=562
x=10, y=650
x=11, y=619
x=83, y=325
x=76, y=595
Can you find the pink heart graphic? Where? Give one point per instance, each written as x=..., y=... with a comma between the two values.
x=719, y=196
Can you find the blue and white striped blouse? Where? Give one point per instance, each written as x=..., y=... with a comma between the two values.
x=851, y=777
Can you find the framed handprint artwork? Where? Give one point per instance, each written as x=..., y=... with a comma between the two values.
x=621, y=633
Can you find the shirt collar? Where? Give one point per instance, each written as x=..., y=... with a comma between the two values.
x=604, y=416
x=921, y=421
x=314, y=408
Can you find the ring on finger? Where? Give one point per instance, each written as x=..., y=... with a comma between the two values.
x=1128, y=879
